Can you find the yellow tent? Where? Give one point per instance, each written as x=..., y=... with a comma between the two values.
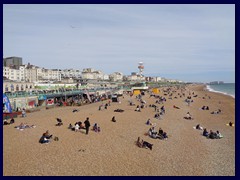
x=155, y=91
x=136, y=92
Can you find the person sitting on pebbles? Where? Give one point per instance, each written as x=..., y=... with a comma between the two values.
x=45, y=138
x=165, y=136
x=219, y=135
x=5, y=122
x=216, y=112
x=138, y=109
x=205, y=132
x=152, y=133
x=113, y=119
x=199, y=127
x=96, y=128
x=188, y=116
x=143, y=144
x=230, y=124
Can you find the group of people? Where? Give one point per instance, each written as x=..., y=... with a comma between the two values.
x=5, y=122
x=79, y=125
x=138, y=108
x=96, y=128
x=157, y=135
x=158, y=115
x=216, y=111
x=105, y=106
x=188, y=116
x=211, y=134
x=205, y=108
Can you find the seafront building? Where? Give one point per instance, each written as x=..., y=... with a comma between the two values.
x=14, y=70
x=29, y=86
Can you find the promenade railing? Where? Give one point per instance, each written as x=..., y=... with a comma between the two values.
x=58, y=92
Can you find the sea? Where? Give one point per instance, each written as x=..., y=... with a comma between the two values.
x=225, y=88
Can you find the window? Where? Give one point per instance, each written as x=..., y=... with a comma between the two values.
x=6, y=88
x=12, y=87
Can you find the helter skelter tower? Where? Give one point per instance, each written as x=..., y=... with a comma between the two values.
x=140, y=67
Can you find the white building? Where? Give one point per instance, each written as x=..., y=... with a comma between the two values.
x=106, y=77
x=116, y=76
x=132, y=77
x=6, y=71
x=90, y=73
x=70, y=73
x=50, y=75
x=12, y=74
x=30, y=73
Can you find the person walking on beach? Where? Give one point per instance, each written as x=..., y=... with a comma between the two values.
x=23, y=112
x=87, y=124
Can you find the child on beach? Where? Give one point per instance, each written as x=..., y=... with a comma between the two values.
x=96, y=128
x=23, y=112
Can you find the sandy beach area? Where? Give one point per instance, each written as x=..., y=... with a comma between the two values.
x=113, y=151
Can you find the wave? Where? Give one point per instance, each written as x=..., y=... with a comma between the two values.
x=212, y=90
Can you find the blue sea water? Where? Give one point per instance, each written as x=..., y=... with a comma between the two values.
x=226, y=88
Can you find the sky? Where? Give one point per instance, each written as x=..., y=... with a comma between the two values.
x=188, y=42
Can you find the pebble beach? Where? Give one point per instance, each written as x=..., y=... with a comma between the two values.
x=113, y=151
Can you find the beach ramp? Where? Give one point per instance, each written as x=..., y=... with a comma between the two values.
x=88, y=96
x=155, y=91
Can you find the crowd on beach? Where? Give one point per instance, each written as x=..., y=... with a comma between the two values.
x=140, y=103
x=170, y=94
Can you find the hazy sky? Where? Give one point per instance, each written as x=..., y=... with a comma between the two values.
x=185, y=42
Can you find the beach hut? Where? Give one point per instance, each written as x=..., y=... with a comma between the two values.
x=155, y=91
x=136, y=92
